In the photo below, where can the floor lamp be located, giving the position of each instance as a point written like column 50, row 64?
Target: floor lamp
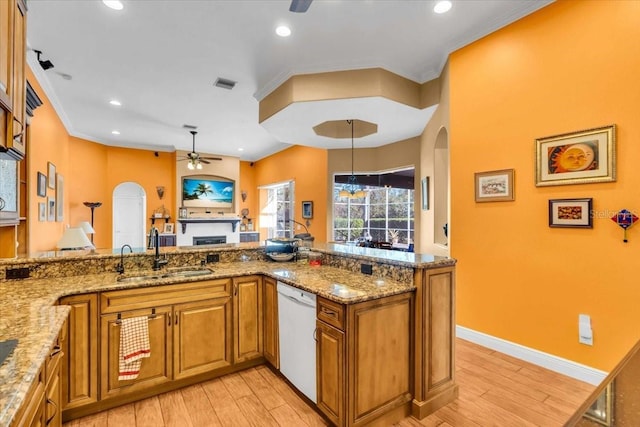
column 92, row 206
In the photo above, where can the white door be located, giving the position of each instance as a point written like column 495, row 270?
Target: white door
column 129, row 215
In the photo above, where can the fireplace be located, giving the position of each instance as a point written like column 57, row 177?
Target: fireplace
column 209, row 240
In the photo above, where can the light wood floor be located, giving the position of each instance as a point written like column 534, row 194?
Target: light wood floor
column 495, row 390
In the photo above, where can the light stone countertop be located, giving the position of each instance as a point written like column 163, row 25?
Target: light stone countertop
column 28, row 313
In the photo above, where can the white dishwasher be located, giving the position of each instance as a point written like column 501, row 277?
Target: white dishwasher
column 297, row 324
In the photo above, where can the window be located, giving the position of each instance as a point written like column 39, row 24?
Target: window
column 385, row 213
column 276, row 208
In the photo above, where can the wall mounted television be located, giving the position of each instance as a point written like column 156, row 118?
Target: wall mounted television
column 206, row 191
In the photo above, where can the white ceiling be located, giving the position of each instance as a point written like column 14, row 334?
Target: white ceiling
column 160, row 59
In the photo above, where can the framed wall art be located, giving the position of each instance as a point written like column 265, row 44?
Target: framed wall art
column 59, row 197
column 307, row 209
column 581, row 157
column 42, row 185
column 495, row 186
column 571, row 213
column 168, row 228
column 424, row 187
column 51, row 208
column 42, row 211
column 51, row 175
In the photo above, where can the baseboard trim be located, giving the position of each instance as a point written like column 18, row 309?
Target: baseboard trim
column 554, row 363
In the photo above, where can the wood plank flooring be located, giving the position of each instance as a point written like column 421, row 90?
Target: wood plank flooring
column 495, row 390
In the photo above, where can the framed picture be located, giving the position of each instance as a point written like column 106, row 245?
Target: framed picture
column 307, row 209
column 570, row 213
column 601, row 411
column 42, row 211
column 424, row 187
column 495, row 186
column 42, row 185
column 51, row 210
column 168, row 228
column 59, row 197
column 51, row 175
column 579, row 157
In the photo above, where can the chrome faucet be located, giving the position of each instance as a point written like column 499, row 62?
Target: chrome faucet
column 158, row 262
column 120, row 267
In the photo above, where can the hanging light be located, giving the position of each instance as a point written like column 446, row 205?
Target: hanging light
column 352, row 190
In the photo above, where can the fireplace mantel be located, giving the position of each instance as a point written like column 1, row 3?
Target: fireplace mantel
column 184, row 221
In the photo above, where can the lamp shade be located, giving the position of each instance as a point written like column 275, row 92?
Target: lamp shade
column 74, row 238
column 86, row 227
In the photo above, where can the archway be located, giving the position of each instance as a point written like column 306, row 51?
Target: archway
column 441, row 224
column 129, row 215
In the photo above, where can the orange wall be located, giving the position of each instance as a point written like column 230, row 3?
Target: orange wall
column 568, row 67
column 104, row 168
column 48, row 142
column 307, row 166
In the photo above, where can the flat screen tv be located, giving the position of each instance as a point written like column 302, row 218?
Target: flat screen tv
column 207, row 192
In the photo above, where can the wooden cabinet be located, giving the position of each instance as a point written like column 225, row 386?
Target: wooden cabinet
column 189, row 334
column 155, row 370
column 330, row 379
column 247, row 318
column 12, row 78
column 79, row 368
column 354, row 342
column 270, row 322
column 197, row 352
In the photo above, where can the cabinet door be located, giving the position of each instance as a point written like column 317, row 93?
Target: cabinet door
column 247, row 314
column 270, row 321
column 155, row 369
column 7, row 8
column 19, row 94
column 330, row 378
column 201, row 337
column 80, row 352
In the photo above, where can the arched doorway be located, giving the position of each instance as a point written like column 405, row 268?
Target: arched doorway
column 441, row 189
column 129, row 215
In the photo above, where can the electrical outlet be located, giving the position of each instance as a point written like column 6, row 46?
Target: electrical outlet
column 366, row 269
column 213, row 258
column 18, row 273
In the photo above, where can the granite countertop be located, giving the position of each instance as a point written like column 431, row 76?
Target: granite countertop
column 28, row 312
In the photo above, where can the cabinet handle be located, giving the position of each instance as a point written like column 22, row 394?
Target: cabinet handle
column 177, row 315
column 18, row 135
column 56, row 349
column 235, row 289
column 328, row 312
column 55, row 412
column 169, row 316
column 315, row 334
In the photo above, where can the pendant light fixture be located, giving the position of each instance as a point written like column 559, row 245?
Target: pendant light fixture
column 352, row 190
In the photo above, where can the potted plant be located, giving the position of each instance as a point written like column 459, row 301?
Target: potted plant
column 394, row 235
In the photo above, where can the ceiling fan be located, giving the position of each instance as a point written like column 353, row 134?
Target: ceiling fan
column 299, row 6
column 195, row 160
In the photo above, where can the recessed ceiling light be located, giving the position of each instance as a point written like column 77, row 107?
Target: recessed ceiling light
column 240, row 149
column 113, row 4
column 115, row 132
column 283, row 31
column 442, row 6
column 115, row 102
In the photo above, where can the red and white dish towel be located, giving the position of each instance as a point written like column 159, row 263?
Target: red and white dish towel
column 134, row 346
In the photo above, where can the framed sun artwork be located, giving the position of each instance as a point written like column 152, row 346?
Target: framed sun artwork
column 581, row 157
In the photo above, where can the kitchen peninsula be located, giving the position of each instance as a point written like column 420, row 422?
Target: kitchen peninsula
column 384, row 339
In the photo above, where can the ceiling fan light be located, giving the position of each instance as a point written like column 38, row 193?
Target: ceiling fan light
column 190, row 165
column 198, row 165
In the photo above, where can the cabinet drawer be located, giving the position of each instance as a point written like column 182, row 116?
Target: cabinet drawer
column 331, row 313
column 131, row 299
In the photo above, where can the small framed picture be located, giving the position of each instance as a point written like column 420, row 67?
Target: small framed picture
column 51, row 210
column 424, row 187
column 42, row 211
column 570, row 213
column 51, row 175
column 307, row 209
column 59, row 197
column 495, row 186
column 42, row 185
column 580, row 157
column 168, row 228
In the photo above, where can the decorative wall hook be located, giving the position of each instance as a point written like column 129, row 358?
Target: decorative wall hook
column 160, row 190
column 243, row 194
column 624, row 219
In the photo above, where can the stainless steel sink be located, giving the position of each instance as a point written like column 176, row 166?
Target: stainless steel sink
column 172, row 273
